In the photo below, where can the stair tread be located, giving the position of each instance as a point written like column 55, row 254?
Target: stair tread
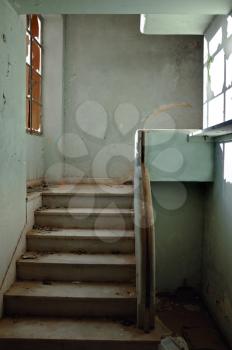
column 84, row 211
column 89, row 190
column 73, row 329
column 72, row 290
column 85, row 259
column 80, row 234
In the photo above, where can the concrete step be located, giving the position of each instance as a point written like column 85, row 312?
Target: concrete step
column 72, row 334
column 85, row 241
column 88, row 196
column 76, row 267
column 86, row 218
column 55, row 299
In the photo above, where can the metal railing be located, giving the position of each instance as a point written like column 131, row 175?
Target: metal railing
column 144, row 238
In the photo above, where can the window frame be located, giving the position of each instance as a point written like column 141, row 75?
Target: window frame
column 29, row 97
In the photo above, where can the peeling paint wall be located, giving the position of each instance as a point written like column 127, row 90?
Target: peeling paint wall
column 117, row 80
column 12, row 133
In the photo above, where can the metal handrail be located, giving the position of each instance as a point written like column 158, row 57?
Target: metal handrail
column 144, row 238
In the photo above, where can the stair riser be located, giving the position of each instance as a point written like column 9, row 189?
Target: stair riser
column 70, row 272
column 92, row 221
column 91, row 246
column 67, row 307
column 70, row 201
column 26, row 344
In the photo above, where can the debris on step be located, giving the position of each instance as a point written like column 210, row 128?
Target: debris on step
column 79, row 251
column 171, row 343
column 47, row 283
column 44, row 184
column 44, row 228
column 29, row 256
column 127, row 322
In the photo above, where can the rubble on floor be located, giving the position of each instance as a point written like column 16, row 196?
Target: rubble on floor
column 185, row 315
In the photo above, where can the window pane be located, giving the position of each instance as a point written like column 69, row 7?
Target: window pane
column 206, row 76
column 36, row 87
column 215, row 42
column 36, row 57
column 36, row 116
column 229, row 26
column 28, row 81
column 28, row 113
column 216, row 111
column 28, row 46
column 229, row 104
column 28, row 22
column 36, row 27
column 206, row 51
column 217, row 73
column 229, row 71
column 205, row 116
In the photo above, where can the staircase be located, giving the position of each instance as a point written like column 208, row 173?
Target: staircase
column 75, row 286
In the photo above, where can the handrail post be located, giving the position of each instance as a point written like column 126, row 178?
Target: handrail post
column 144, row 238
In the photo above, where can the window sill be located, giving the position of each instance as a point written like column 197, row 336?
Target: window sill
column 35, row 133
column 218, row 130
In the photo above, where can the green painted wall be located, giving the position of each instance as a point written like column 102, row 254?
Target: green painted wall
column 35, row 156
column 217, row 262
column 12, row 132
column 179, row 221
column 172, row 156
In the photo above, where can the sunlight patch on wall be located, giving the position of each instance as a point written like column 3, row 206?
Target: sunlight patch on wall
column 215, row 42
column 228, row 162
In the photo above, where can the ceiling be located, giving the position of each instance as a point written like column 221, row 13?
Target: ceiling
column 175, row 24
column 187, row 7
column 162, row 16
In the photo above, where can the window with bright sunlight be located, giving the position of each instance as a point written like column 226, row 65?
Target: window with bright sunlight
column 218, row 76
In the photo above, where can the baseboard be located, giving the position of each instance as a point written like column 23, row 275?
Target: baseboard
column 33, row 184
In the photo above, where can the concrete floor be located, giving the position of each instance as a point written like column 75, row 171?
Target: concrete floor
column 185, row 315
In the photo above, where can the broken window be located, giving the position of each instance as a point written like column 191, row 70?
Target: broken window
column 215, row 42
column 34, row 74
column 217, row 101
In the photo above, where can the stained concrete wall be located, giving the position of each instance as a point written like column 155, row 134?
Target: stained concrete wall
column 117, row 80
column 12, row 133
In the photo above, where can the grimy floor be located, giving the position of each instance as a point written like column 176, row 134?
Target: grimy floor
column 185, row 315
